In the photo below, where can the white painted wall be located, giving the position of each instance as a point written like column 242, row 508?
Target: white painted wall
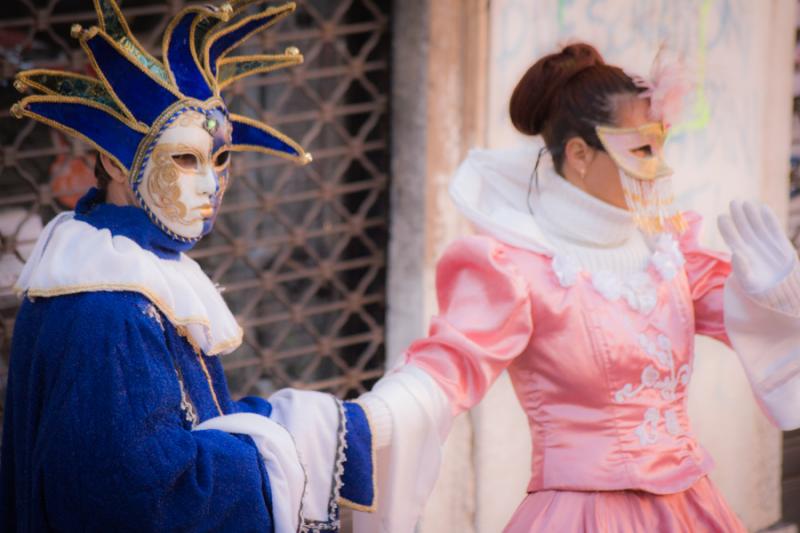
column 734, row 143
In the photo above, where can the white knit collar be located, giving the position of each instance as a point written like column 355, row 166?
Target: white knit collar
column 72, row 256
column 492, row 189
column 571, row 214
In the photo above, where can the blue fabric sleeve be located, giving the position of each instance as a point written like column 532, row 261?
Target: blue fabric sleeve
column 358, row 479
column 113, row 450
column 254, row 404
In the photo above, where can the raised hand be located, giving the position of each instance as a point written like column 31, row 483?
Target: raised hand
column 762, row 254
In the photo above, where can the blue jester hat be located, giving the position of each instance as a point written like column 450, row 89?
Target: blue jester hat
column 123, row 111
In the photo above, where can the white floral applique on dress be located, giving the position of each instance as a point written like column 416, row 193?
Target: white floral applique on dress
column 662, row 376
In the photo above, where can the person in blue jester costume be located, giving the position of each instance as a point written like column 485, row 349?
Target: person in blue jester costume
column 118, row 417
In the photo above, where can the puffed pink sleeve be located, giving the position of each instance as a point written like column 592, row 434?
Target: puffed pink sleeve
column 484, row 321
column 707, row 272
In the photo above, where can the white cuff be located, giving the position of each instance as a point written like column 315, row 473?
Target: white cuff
column 784, row 296
column 408, row 467
column 767, row 341
column 281, row 460
column 380, row 418
column 316, row 423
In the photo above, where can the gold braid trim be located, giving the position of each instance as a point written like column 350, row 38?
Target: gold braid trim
column 125, row 28
column 26, row 78
column 193, row 45
column 199, row 354
column 23, row 75
column 270, row 63
column 232, row 342
column 229, row 344
column 202, row 10
column 302, row 156
column 374, row 506
column 239, row 5
column 20, row 110
column 61, row 99
column 304, row 160
column 97, row 32
column 278, row 11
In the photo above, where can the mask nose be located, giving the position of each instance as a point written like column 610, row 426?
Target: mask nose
column 207, row 183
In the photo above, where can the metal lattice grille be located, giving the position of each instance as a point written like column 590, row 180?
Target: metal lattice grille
column 299, row 250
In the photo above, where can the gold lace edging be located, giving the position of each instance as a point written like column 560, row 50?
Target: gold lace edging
column 215, row 349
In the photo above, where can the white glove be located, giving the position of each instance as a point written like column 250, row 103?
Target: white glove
column 762, row 255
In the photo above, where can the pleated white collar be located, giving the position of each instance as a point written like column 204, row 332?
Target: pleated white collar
column 72, row 256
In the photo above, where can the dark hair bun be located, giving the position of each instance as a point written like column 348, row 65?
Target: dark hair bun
column 533, row 99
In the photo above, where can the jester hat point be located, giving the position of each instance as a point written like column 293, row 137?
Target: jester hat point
column 134, row 97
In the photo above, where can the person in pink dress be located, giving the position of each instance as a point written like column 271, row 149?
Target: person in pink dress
column 586, row 286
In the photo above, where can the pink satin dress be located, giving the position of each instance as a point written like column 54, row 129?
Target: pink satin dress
column 601, row 366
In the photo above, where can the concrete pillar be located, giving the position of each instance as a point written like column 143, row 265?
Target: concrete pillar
column 438, row 112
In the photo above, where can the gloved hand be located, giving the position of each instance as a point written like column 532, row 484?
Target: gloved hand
column 762, row 254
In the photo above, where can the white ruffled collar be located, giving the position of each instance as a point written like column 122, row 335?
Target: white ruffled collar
column 179, row 288
column 492, row 189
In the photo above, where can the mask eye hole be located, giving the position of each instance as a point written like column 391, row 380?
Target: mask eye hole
column 186, row 161
column 222, row 158
column 643, row 151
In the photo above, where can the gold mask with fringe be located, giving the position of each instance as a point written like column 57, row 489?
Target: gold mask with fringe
column 646, row 178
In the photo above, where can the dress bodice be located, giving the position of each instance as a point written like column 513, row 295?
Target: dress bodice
column 600, row 352
column 600, row 362
column 604, row 379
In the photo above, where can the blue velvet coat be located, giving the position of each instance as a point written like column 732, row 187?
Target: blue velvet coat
column 97, row 427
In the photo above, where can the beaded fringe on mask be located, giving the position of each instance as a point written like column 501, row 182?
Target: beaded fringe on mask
column 651, row 203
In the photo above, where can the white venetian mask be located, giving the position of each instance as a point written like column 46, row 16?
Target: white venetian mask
column 186, row 174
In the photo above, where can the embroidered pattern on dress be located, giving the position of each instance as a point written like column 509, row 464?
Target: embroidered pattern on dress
column 566, row 269
column 638, row 290
column 666, row 383
column 187, row 407
column 667, row 258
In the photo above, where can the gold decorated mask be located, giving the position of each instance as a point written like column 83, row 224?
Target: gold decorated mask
column 645, row 176
column 639, row 152
column 186, row 173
